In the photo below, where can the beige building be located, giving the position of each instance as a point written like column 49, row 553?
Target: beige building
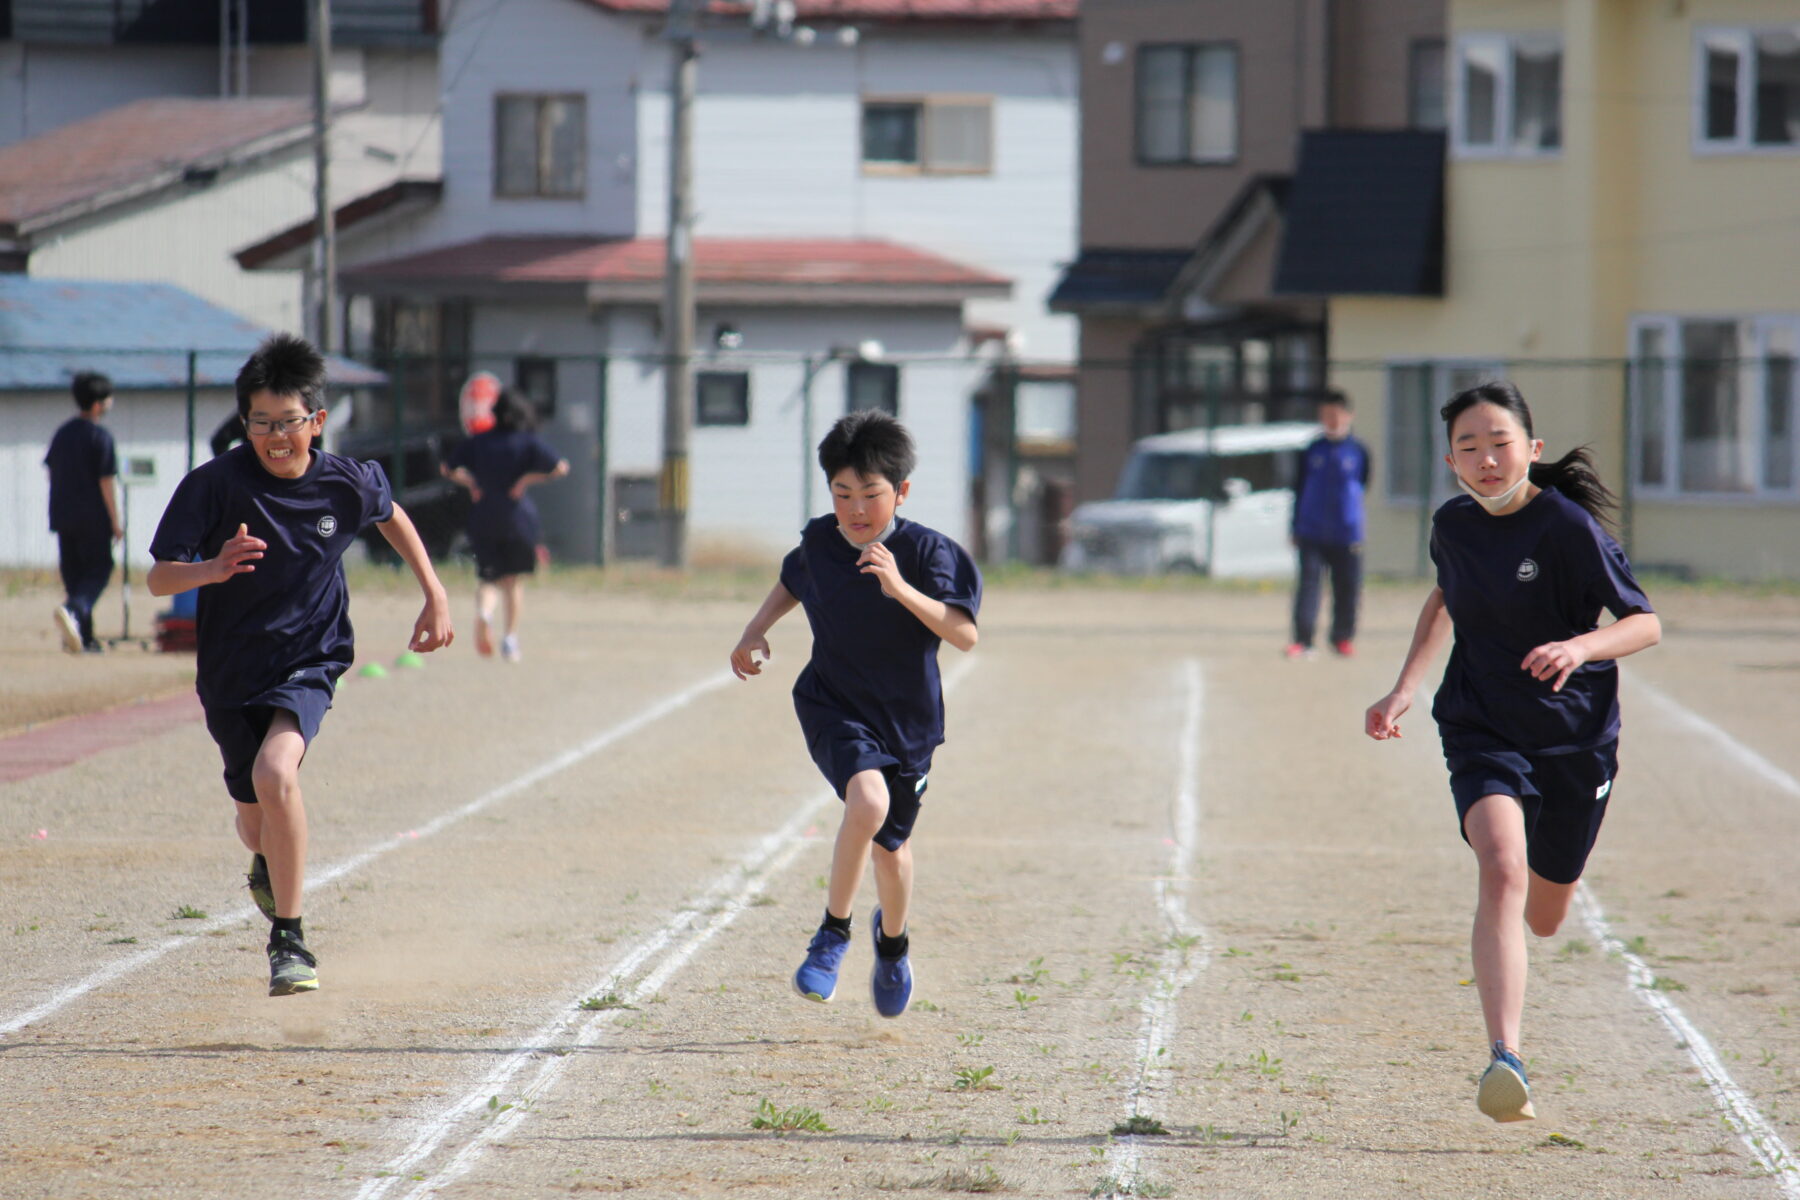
column 1622, row 239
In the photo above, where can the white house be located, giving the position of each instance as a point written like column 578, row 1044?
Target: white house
column 905, row 178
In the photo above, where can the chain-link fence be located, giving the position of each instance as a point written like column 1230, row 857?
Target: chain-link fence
column 1700, row 452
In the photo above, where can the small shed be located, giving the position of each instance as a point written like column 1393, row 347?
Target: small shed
column 173, row 359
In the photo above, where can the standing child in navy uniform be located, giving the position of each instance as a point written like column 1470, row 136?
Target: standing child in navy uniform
column 262, row 531
column 880, row 593
column 84, row 509
column 497, row 467
column 1528, row 710
column 1328, row 528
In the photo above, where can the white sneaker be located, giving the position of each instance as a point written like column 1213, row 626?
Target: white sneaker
column 71, row 632
column 509, row 648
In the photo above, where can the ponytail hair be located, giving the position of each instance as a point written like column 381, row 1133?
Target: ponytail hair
column 1573, row 474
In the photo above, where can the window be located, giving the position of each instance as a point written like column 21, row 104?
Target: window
column 1187, row 103
column 536, row 378
column 1713, row 405
column 1747, row 89
column 540, row 146
column 945, row 135
column 1425, row 82
column 872, row 385
column 1044, row 411
column 721, row 398
column 1508, row 95
column 1415, row 433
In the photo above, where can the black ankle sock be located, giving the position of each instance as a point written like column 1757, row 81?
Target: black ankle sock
column 290, row 924
column 891, row 947
column 841, row 924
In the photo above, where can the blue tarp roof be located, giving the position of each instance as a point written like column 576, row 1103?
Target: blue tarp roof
column 137, row 333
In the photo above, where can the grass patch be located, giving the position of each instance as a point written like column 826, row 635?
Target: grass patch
column 1140, row 1125
column 603, row 1003
column 975, row 1079
column 187, row 912
column 783, row 1121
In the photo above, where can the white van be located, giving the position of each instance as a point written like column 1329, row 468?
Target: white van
column 1218, row 502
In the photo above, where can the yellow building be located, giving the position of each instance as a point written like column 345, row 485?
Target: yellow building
column 1622, row 239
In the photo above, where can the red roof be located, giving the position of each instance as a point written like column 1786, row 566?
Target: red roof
column 136, row 147
column 793, row 262
column 881, row 10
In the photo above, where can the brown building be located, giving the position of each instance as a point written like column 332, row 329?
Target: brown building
column 1191, row 118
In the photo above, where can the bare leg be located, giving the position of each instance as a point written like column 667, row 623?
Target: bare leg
column 280, row 825
column 512, row 590
column 1496, row 829
column 893, row 883
column 1547, row 904
column 485, row 595
column 865, row 808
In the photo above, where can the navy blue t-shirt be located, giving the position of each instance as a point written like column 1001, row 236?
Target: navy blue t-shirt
column 498, row 459
column 81, row 454
column 293, row 611
column 872, row 660
column 1511, row 584
column 1328, row 491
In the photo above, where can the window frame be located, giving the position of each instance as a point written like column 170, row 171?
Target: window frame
column 740, row 379
column 924, row 102
column 539, row 192
column 1191, row 50
column 1414, row 49
column 1456, row 107
column 1442, row 485
column 890, row 371
column 1753, row 375
column 1741, row 142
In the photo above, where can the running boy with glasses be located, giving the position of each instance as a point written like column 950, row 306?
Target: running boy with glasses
column 880, row 593
column 262, row 531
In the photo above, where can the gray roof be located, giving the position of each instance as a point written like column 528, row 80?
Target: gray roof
column 140, row 334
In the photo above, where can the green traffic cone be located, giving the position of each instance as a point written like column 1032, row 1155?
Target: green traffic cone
column 373, row 671
column 410, row 658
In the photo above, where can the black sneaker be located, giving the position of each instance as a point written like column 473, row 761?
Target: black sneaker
column 261, row 890
column 290, row 964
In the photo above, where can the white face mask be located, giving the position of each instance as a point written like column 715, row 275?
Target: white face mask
column 1494, row 503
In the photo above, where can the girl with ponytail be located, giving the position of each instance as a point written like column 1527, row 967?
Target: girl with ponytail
column 1528, row 710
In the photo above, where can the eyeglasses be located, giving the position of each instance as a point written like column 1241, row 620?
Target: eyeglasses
column 258, row 427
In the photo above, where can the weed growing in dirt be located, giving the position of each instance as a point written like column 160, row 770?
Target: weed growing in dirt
column 1288, row 1121
column 783, row 1121
column 1140, row 1125
column 1575, row 947
column 1563, row 1140
column 1024, row 999
column 121, row 941
column 1262, row 1064
column 1031, row 1116
column 879, row 1104
column 187, row 912
column 926, row 1006
column 1639, row 945
column 496, row 1106
column 1034, row 973
column 975, row 1079
column 602, row 1003
column 953, row 1179
column 970, row 1039
column 1131, row 1185
column 1662, row 983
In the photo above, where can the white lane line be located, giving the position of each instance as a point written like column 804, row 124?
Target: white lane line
column 1753, row 1129
column 568, row 758
column 724, row 901
column 1739, row 753
column 1187, row 951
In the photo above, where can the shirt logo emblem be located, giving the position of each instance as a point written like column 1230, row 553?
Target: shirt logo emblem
column 1600, row 792
column 328, row 526
column 1528, row 571
column 300, row 674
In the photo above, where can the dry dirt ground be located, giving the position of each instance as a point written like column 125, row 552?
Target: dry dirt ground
column 1161, row 874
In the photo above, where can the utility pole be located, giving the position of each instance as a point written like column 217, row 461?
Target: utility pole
column 325, row 249
column 678, row 284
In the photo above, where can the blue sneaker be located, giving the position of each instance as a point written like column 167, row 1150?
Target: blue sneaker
column 1505, row 1093
column 891, row 982
column 817, row 977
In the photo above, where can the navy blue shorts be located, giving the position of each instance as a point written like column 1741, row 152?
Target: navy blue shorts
column 240, row 731
column 1564, row 797
column 498, row 557
column 843, row 748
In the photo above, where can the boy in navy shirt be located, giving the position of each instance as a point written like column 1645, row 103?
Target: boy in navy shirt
column 880, row 593
column 1328, row 528
column 1528, row 709
column 84, row 509
column 262, row 531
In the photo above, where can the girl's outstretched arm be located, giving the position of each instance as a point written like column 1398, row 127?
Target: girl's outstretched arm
column 1558, row 660
column 1382, row 720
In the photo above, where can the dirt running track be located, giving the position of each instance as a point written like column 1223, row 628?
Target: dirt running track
column 1160, row 873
